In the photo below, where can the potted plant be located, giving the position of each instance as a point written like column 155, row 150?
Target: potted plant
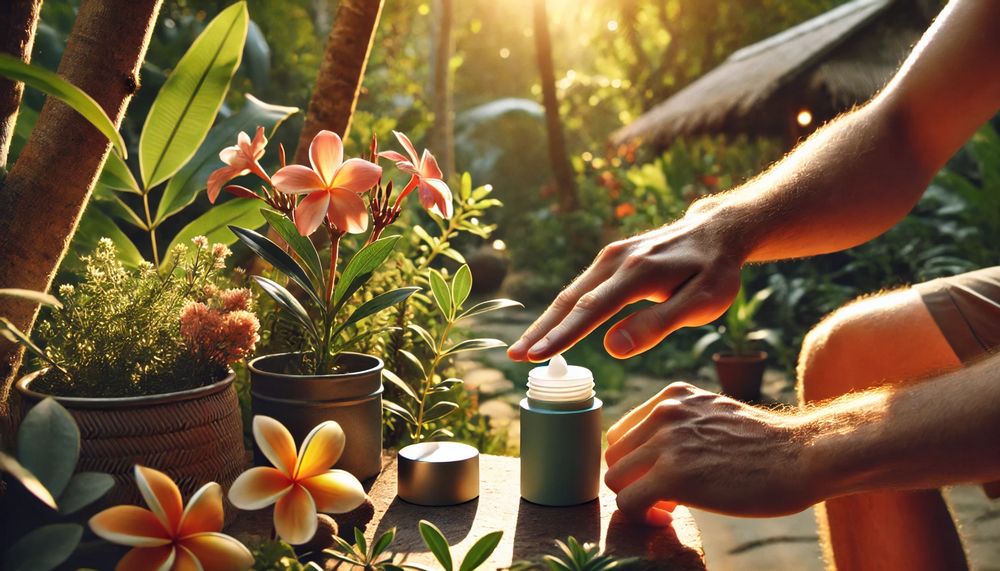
column 323, row 380
column 142, row 360
column 740, row 368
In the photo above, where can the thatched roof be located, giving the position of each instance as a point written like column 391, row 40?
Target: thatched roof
column 751, row 90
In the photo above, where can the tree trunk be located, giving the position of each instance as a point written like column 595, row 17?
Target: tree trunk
column 49, row 185
column 562, row 170
column 18, row 21
column 442, row 135
column 339, row 81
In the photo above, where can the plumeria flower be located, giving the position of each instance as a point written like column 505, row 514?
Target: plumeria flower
column 168, row 536
column 426, row 177
column 333, row 186
column 300, row 484
column 240, row 159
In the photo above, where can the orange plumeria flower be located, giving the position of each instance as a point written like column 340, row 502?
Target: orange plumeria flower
column 240, row 159
column 425, row 176
column 300, row 484
column 168, row 536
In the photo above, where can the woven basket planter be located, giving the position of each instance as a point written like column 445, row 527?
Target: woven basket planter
column 194, row 436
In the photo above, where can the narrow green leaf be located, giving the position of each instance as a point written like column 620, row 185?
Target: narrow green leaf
column 188, row 102
column 38, row 297
column 481, row 551
column 439, row 410
column 10, row 332
column 10, row 465
column 274, row 255
column 461, row 285
column 454, row 255
column 475, row 345
column 424, row 335
column 383, row 542
column 375, row 305
column 359, row 269
column 423, row 235
column 116, row 176
column 442, row 295
column 301, row 245
column 465, row 187
column 50, row 83
column 287, row 301
column 413, row 361
column 706, row 341
column 441, row 433
column 48, row 444
column 490, row 305
column 84, row 489
column 215, row 223
column 359, row 540
column 400, row 383
column 436, row 542
column 399, row 411
column 44, row 548
column 109, row 201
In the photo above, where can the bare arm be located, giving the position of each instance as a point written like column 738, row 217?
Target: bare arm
column 848, row 183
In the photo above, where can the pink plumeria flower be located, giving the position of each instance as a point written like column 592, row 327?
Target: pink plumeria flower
column 426, row 177
column 301, row 483
column 168, row 536
column 240, row 159
column 333, row 186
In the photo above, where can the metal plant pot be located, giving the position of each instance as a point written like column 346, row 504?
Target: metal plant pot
column 195, row 436
column 741, row 375
column 300, row 402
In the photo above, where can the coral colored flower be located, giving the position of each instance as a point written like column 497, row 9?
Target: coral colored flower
column 426, row 177
column 300, row 484
column 240, row 159
column 332, row 186
column 624, row 209
column 168, row 536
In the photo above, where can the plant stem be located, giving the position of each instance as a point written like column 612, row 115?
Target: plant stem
column 429, row 378
column 324, row 348
column 151, row 228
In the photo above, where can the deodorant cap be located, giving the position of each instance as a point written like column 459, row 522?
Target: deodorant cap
column 558, row 382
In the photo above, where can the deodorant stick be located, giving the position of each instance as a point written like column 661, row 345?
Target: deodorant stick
column 560, row 436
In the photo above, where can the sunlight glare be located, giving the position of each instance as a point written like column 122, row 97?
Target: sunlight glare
column 804, row 118
column 612, row 25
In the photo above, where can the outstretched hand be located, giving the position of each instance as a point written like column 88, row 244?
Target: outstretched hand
column 690, row 269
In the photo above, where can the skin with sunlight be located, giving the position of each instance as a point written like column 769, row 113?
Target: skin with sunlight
column 301, row 483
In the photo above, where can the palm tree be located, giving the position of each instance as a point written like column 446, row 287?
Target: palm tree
column 442, row 135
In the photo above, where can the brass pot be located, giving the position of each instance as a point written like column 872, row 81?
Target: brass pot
column 300, row 402
column 741, row 375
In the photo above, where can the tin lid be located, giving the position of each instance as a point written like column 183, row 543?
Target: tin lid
column 438, row 473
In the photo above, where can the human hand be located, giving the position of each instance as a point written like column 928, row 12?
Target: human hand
column 690, row 268
column 694, row 447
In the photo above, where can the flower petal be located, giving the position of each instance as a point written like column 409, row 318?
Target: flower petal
column 258, row 144
column 130, row 525
column 258, row 488
column 326, row 153
column 295, row 516
column 161, row 495
column 335, row 491
column 394, row 156
column 429, row 166
column 297, row 179
column 407, row 146
column 218, row 552
column 230, row 155
column 275, row 442
column 357, row 175
column 219, row 178
column 310, row 212
column 203, row 511
column 436, row 197
column 347, row 211
column 148, row 559
column 184, row 560
column 320, row 449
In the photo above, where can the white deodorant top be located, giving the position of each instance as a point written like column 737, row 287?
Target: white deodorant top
column 559, row 382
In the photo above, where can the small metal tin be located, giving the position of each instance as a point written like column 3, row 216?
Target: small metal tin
column 438, row 473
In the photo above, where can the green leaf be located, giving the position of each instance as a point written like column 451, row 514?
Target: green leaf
column 375, row 305
column 300, row 244
column 109, row 201
column 192, row 178
column 359, row 540
column 287, row 301
column 50, row 83
column 38, row 297
column 454, row 255
column 188, row 102
column 413, row 361
column 44, row 548
column 442, row 295
column 440, row 433
column 465, row 187
column 215, row 223
column 48, row 444
column 481, row 551
column 423, row 235
column 94, row 225
column 403, row 385
column 116, row 176
column 424, row 335
column 490, row 305
column 461, row 285
column 84, row 489
column 475, row 345
column 439, row 410
column 274, row 255
column 436, row 542
column 383, row 542
column 10, row 465
column 399, row 411
column 360, row 268
column 706, row 341
column 10, row 332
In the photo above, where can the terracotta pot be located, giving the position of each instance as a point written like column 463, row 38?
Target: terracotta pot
column 300, row 402
column 741, row 375
column 195, row 436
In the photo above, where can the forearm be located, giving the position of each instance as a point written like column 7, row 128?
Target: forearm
column 938, row 432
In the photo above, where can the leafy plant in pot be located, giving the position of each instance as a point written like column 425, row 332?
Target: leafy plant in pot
column 324, row 380
column 741, row 367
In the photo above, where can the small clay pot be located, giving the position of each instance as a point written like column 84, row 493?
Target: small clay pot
column 741, row 375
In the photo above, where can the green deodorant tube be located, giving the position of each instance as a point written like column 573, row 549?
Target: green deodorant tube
column 560, row 436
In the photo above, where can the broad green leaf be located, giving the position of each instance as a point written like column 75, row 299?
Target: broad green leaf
column 43, row 548
column 439, row 410
column 399, row 411
column 383, row 542
column 109, row 201
column 10, row 465
column 300, row 244
column 490, row 305
column 274, row 255
column 84, row 489
column 360, row 268
column 481, row 551
column 375, row 305
column 93, row 226
column 184, row 186
column 442, row 295
column 215, row 223
column 188, row 102
column 461, row 285
column 475, row 345
column 286, row 300
column 436, row 542
column 400, row 383
column 31, row 295
column 116, row 176
column 48, row 444
column 257, row 57
column 50, row 82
